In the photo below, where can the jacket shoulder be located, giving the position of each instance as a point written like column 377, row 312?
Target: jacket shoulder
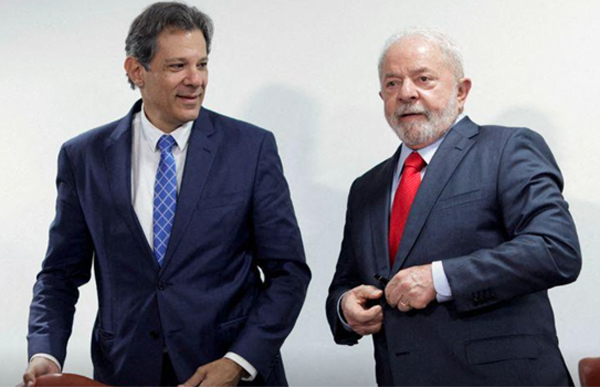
column 504, row 133
column 235, row 127
column 91, row 137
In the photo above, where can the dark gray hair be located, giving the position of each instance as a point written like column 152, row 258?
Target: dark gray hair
column 158, row 17
column 450, row 50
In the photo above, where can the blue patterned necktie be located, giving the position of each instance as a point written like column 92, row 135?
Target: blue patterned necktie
column 165, row 197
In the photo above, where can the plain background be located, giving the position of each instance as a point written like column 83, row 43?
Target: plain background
column 307, row 71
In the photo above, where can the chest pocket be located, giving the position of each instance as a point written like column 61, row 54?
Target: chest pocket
column 462, row 198
column 222, row 200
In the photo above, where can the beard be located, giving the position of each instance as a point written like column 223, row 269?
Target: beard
column 413, row 134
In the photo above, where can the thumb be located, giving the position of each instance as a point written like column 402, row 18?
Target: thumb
column 196, row 378
column 28, row 379
column 371, row 293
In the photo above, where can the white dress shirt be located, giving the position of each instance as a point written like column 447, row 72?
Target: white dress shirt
column 145, row 157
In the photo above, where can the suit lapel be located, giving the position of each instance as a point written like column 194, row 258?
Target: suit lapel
column 202, row 149
column 380, row 213
column 445, row 161
column 117, row 157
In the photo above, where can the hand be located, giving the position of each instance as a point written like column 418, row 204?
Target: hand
column 38, row 366
column 362, row 320
column 222, row 372
column 411, row 288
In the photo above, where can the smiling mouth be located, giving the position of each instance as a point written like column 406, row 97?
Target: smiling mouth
column 189, row 100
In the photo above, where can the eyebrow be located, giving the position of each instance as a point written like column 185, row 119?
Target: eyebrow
column 172, row 60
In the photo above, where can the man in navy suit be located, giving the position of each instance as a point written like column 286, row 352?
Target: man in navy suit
column 186, row 217
column 469, row 225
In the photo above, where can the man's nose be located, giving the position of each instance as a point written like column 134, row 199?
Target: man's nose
column 194, row 77
column 408, row 91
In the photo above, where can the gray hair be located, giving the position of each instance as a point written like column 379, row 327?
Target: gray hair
column 158, row 17
column 450, row 50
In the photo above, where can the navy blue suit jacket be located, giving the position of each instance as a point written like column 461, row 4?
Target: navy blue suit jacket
column 490, row 208
column 234, row 219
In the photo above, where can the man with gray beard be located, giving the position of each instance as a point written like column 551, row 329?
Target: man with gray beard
column 451, row 244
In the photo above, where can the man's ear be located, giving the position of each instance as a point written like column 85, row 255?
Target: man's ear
column 135, row 71
column 464, row 86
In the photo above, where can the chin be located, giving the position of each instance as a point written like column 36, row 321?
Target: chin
column 190, row 115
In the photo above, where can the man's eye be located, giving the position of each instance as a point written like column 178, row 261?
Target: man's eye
column 202, row 65
column 423, row 78
column 176, row 66
column 391, row 84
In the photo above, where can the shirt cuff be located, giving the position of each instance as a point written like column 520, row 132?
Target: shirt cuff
column 341, row 315
column 440, row 282
column 49, row 357
column 244, row 364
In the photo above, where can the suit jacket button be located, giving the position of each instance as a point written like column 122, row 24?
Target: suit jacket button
column 161, row 285
column 154, row 335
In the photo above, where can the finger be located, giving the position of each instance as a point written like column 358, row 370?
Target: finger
column 367, row 292
column 404, row 306
column 357, row 325
column 366, row 315
column 28, row 380
column 422, row 301
column 392, row 288
column 207, row 381
column 375, row 313
column 29, row 377
column 394, row 296
column 373, row 323
column 369, row 330
column 196, row 378
column 374, row 294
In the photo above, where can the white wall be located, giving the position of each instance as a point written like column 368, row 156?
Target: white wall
column 307, row 71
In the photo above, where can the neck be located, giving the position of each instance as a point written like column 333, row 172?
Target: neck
column 162, row 126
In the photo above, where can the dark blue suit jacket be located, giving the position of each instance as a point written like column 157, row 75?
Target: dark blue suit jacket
column 234, row 219
column 490, row 207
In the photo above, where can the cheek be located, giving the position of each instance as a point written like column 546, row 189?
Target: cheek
column 432, row 102
column 390, row 106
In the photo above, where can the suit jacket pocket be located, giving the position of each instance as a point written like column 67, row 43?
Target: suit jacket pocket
column 221, row 200
column 462, row 198
column 229, row 330
column 105, row 335
column 105, row 340
column 495, row 349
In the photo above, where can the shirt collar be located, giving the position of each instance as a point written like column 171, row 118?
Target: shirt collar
column 152, row 134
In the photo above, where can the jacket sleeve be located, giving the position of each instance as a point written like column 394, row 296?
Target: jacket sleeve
column 346, row 277
column 67, row 266
column 541, row 248
column 280, row 256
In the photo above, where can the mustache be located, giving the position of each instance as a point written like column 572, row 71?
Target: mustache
column 411, row 109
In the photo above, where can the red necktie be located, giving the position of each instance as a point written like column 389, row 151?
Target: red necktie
column 403, row 199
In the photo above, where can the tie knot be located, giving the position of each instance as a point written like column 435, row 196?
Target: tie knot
column 166, row 143
column 415, row 161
